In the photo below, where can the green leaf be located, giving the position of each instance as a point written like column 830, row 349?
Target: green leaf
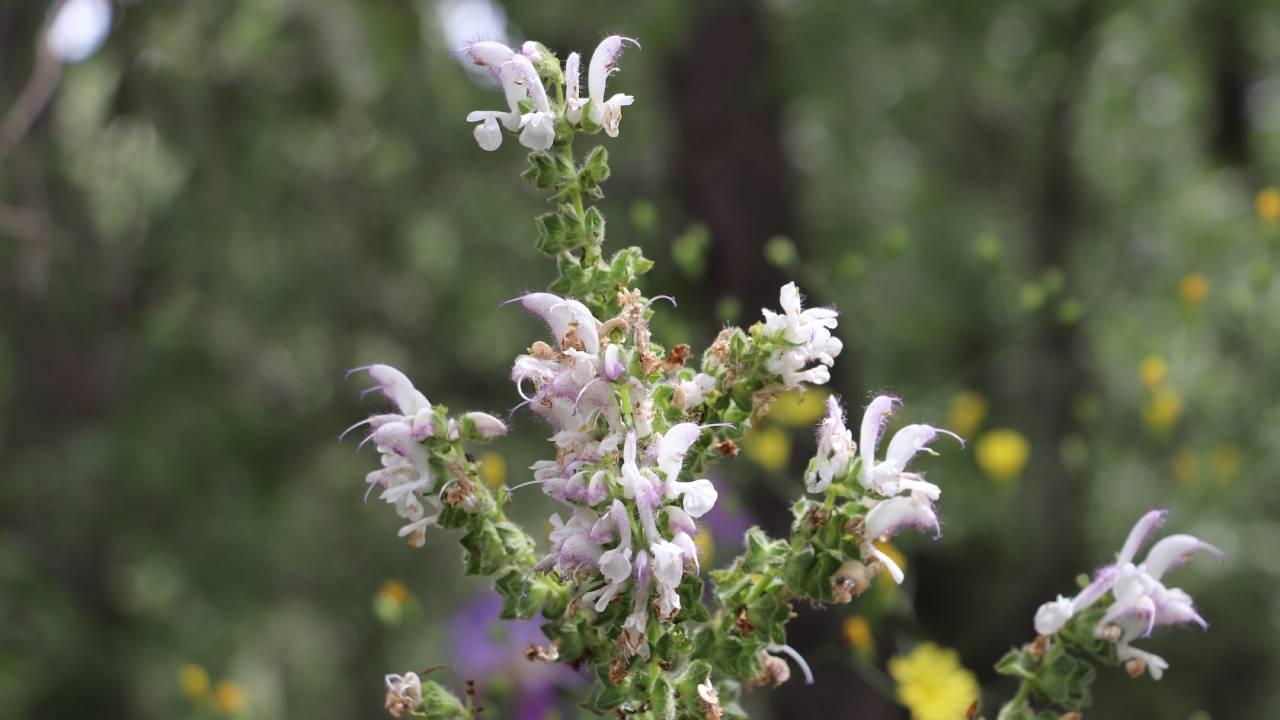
column 553, row 235
column 542, row 172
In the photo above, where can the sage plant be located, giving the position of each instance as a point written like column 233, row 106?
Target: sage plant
column 619, row 588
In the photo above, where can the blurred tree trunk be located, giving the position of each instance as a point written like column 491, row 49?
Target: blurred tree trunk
column 733, row 173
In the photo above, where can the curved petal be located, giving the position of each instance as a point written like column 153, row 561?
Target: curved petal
column 873, row 421
column 399, row 389
column 673, row 446
column 890, row 515
column 1174, row 550
column 1146, row 525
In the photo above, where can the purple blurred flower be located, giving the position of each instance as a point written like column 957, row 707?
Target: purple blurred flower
column 492, row 651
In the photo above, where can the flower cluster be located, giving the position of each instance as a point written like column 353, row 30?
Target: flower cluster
column 634, row 424
column 631, row 525
column 807, row 339
column 1139, row 599
column 529, row 108
column 406, row 478
column 895, row 498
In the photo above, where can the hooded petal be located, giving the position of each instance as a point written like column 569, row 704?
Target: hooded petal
column 487, row 54
column 873, row 421
column 604, row 62
column 397, row 387
column 673, row 446
column 1174, row 550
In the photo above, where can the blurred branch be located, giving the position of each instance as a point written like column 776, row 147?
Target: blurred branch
column 34, row 96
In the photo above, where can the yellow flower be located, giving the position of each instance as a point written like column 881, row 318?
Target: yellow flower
column 706, row 545
column 1268, row 205
column 798, row 409
column 1193, row 288
column 967, row 411
column 1185, row 466
column 229, row 698
column 194, row 681
column 1002, row 453
column 933, row 684
column 1226, row 463
column 769, row 448
column 493, row 469
column 395, row 591
column 857, row 632
column 1153, row 370
column 1163, row 410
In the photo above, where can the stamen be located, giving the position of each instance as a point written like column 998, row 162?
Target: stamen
column 948, row 432
column 366, row 421
column 524, row 484
column 355, row 370
column 368, row 390
column 668, row 298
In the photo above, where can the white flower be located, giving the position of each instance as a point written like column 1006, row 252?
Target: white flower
column 668, row 568
column 406, row 478
column 78, row 30
column 519, row 81
column 889, row 477
column 807, row 334
column 404, row 693
column 572, row 103
column 694, row 391
column 835, row 450
column 1140, row 600
column 607, row 113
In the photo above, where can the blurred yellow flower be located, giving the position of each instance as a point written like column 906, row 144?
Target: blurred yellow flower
column 967, row 412
column 798, row 409
column 706, row 545
column 1002, row 453
column 229, row 698
column 395, row 591
column 493, row 469
column 1226, row 463
column 1193, row 288
column 857, row 632
column 769, row 448
column 1185, row 466
column 194, row 681
column 1153, row 370
column 1268, row 205
column 933, row 684
column 1163, row 410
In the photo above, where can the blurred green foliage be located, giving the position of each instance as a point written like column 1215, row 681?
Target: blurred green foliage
column 234, row 202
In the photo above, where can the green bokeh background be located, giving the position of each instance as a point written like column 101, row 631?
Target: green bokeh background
column 235, row 201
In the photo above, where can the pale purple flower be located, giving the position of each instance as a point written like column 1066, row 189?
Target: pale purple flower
column 483, row 425
column 1140, row 601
